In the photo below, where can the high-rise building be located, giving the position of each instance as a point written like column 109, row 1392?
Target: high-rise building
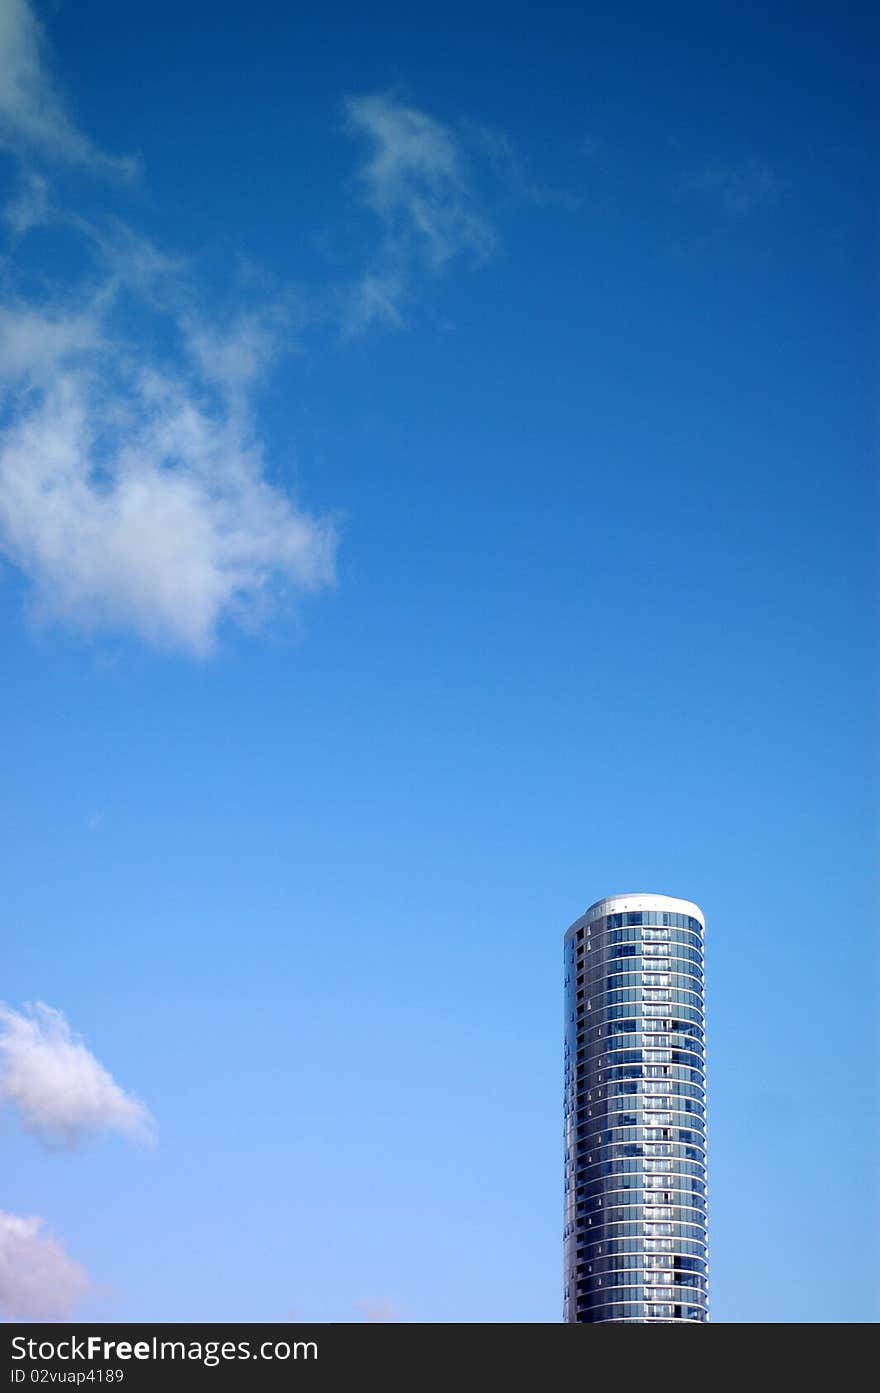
column 635, row 1113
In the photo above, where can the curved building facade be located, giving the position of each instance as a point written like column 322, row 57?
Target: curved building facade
column 636, row 1243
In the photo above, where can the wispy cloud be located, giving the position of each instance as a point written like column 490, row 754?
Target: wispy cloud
column 33, row 116
column 738, row 188
column 415, row 180
column 377, row 298
column 58, row 1088
column 38, row 1279
column 29, row 207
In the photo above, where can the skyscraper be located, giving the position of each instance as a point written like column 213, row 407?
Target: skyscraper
column 635, row 1113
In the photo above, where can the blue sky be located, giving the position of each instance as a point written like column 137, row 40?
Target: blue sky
column 434, row 494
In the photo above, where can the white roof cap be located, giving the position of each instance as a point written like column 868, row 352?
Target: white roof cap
column 614, row 904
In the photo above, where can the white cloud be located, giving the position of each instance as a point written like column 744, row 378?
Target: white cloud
column 415, row 180
column 57, row 1086
column 133, row 492
column 235, row 356
column 35, row 342
column 38, row 1279
column 377, row 298
column 33, row 118
column 133, row 489
column 30, row 206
